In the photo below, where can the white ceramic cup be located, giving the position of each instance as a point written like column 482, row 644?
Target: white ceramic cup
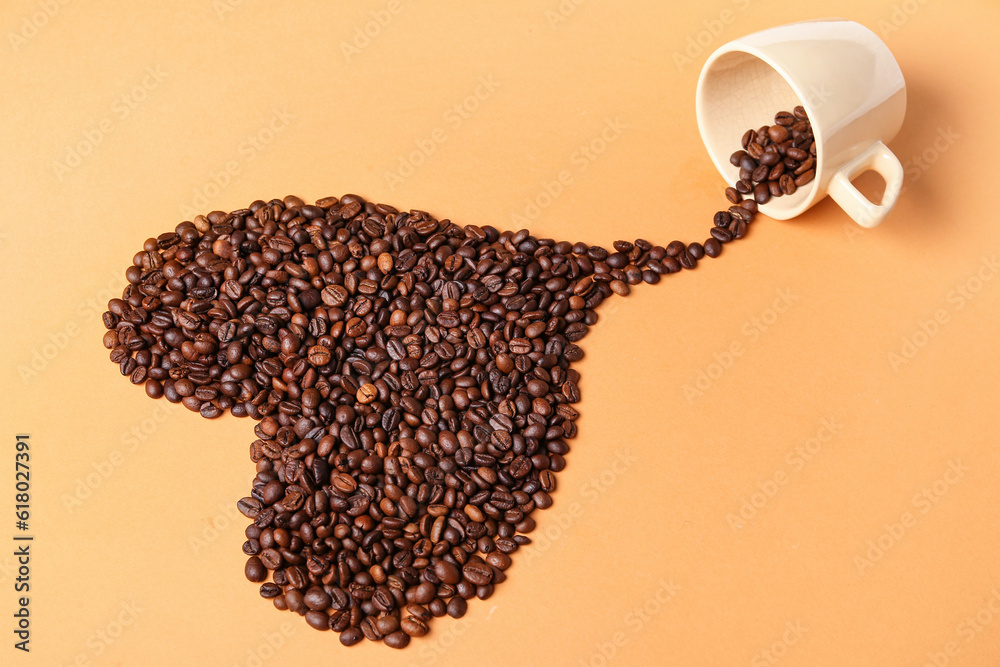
column 850, row 86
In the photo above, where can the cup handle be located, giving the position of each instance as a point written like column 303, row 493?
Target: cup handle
column 881, row 160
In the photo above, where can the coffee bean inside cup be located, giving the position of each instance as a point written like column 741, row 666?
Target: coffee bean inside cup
column 775, row 159
column 412, row 380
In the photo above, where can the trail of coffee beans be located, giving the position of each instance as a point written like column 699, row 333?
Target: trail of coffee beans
column 411, row 379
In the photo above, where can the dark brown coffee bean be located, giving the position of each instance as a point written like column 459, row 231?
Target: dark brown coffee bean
column 398, row 639
column 797, row 154
column 777, row 133
column 804, row 178
column 784, row 118
column 720, row 234
column 457, row 607
column 351, row 636
column 761, row 193
column 255, row 570
column 713, row 248
column 478, row 573
column 787, row 184
column 413, row 626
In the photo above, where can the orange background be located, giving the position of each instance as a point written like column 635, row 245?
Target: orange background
column 814, row 432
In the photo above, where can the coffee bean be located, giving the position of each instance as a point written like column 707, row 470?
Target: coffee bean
column 415, row 627
column 797, row 154
column 777, row 133
column 457, row 607
column 478, row 573
column 398, row 639
column 713, row 247
column 787, row 184
column 804, row 178
column 255, row 570
column 784, row 118
column 721, row 234
column 351, row 636
column 761, row 193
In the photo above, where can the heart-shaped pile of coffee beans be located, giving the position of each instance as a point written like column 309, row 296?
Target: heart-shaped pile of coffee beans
column 411, row 379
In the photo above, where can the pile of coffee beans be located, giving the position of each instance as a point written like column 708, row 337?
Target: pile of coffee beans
column 411, row 379
column 775, row 159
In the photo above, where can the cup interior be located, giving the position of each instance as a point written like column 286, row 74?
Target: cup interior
column 740, row 91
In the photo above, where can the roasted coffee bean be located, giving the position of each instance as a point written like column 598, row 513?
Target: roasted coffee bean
column 713, row 248
column 478, row 573
column 787, row 184
column 721, row 234
column 761, row 193
column 804, row 178
column 416, row 627
column 784, row 118
column 457, row 607
column 255, row 570
column 398, row 639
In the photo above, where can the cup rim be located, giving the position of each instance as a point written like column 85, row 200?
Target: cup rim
column 739, row 46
